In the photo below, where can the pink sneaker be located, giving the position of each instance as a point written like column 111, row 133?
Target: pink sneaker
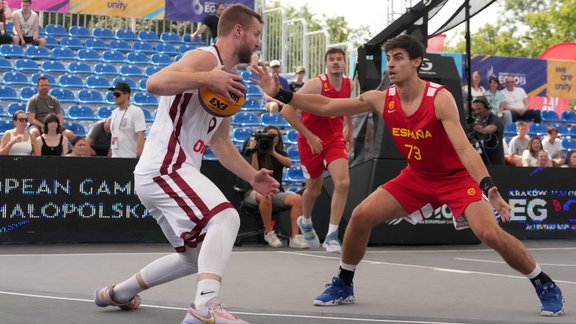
column 212, row 313
column 105, row 297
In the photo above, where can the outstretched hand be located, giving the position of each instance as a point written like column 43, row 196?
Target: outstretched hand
column 264, row 183
column 499, row 204
column 269, row 84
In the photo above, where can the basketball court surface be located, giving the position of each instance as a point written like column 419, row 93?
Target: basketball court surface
column 455, row 284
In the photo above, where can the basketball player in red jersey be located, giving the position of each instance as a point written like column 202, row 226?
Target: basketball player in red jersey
column 321, row 145
column 443, row 168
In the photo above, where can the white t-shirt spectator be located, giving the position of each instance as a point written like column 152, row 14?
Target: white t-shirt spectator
column 552, row 149
column 124, row 126
column 533, row 161
column 515, row 98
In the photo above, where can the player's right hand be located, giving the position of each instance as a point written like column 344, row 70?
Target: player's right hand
column 226, row 83
column 315, row 144
column 499, row 204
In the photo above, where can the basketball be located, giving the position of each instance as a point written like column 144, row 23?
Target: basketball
column 216, row 104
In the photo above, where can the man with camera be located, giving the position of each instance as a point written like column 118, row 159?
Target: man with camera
column 487, row 132
column 266, row 150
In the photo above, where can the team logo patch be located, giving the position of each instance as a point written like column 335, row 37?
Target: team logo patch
column 471, row 191
column 391, row 105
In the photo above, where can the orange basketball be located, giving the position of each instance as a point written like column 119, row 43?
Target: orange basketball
column 216, row 104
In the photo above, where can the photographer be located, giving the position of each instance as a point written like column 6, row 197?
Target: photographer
column 266, row 150
column 487, row 132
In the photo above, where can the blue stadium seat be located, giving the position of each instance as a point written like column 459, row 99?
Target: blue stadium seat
column 5, row 64
column 15, row 106
column 8, row 93
column 166, row 48
column 246, row 75
column 131, row 70
column 56, row 30
column 254, row 91
column 148, row 115
column 53, row 66
column 96, row 44
column 51, row 42
column 15, row 78
column 126, row 34
column 35, row 76
column 144, row 99
column 5, row 125
column 562, row 129
column 76, row 128
column 143, row 47
column 120, row 45
column 567, row 116
column 160, row 59
column 71, row 81
column 80, row 68
column 178, row 57
column 572, row 132
column 186, row 47
column 274, row 120
column 294, row 189
column 103, row 33
column 549, row 116
column 187, row 38
column 295, row 174
column 113, row 57
column 26, row 65
column 11, row 51
column 89, row 55
column 246, row 119
column 148, row 71
column 168, row 37
column 137, row 58
column 71, row 42
column 568, row 144
column 510, row 129
column 3, row 114
column 63, row 95
column 105, row 69
column 97, row 82
column 148, row 36
column 129, row 81
column 79, row 31
column 252, row 104
column 27, row 92
column 90, row 97
column 537, row 129
column 293, row 154
column 291, row 137
column 63, row 53
column 142, row 84
column 37, row 53
column 104, row 112
column 209, row 155
column 240, row 134
column 79, row 112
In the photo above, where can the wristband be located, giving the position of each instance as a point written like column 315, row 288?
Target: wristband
column 284, row 96
column 486, row 184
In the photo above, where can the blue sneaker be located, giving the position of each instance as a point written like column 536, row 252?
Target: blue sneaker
column 308, row 233
column 336, row 293
column 332, row 243
column 551, row 298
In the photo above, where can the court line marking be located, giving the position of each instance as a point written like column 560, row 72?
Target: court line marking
column 502, row 262
column 343, row 319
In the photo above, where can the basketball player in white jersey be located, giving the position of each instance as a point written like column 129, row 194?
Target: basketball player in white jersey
column 193, row 213
column 26, row 25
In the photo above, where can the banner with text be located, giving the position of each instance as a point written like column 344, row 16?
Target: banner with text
column 150, row 9
column 197, row 10
column 44, row 5
column 561, row 78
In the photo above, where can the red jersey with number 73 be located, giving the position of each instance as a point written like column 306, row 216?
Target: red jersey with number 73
column 421, row 137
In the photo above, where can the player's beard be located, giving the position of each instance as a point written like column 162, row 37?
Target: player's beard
column 245, row 54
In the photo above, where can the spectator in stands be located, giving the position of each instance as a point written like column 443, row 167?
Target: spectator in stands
column 517, row 102
column 270, row 154
column 26, row 25
column 476, row 89
column 127, row 125
column 41, row 105
column 530, row 154
column 210, row 22
column 497, row 101
column 5, row 36
column 553, row 145
column 489, row 132
column 570, row 161
column 79, row 147
column 99, row 138
column 299, row 81
column 543, row 159
column 272, row 105
column 52, row 141
column 17, row 141
column 518, row 144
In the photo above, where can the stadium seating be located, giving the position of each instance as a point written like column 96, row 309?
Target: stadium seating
column 97, row 82
column 53, row 66
column 295, row 174
column 5, row 125
column 510, row 130
column 129, row 81
column 568, row 144
column 143, row 47
column 120, row 45
column 8, row 93
column 549, row 116
column 252, row 104
column 90, row 97
column 186, row 47
column 89, row 55
column 80, row 32
column 131, row 71
column 126, row 34
column 71, row 42
column 293, row 154
column 15, row 78
column 567, row 116
column 104, row 112
column 81, row 68
column 51, row 42
column 49, row 76
column 62, row 53
column 148, row 36
column 96, row 44
column 70, row 81
column 537, row 129
column 291, row 137
column 148, row 71
column 56, row 30
column 27, row 92
column 160, row 59
column 15, row 106
column 142, row 84
column 37, row 53
column 240, row 134
column 11, row 51
column 5, row 65
column 79, row 112
column 562, row 129
column 144, row 99
column 113, row 57
column 76, row 128
column 105, row 69
column 274, row 120
column 168, row 37
column 166, row 48
column 26, row 65
column 3, row 113
column 137, row 58
column 246, row 119
column 63, row 95
column 103, row 33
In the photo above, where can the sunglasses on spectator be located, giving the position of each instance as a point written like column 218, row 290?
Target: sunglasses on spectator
column 23, row 120
column 117, row 94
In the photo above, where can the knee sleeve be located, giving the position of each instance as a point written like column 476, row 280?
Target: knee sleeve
column 216, row 248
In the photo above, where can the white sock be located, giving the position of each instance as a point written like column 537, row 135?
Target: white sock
column 207, row 289
column 349, row 267
column 332, row 228
column 535, row 272
column 306, row 220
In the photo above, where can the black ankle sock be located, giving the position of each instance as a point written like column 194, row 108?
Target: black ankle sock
column 346, row 275
column 540, row 279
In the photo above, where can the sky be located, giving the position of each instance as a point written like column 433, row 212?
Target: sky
column 366, row 12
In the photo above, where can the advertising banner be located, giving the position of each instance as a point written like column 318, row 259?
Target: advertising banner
column 562, row 78
column 44, row 5
column 197, row 10
column 150, row 9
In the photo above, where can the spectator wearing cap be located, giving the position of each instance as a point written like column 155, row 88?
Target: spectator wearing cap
column 127, row 125
column 299, row 81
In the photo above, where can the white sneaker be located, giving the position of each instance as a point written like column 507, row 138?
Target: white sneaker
column 332, row 243
column 272, row 239
column 298, row 242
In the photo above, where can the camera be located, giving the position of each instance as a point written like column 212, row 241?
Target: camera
column 264, row 142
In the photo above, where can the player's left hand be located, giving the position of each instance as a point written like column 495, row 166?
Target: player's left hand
column 268, row 83
column 499, row 204
column 264, row 183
